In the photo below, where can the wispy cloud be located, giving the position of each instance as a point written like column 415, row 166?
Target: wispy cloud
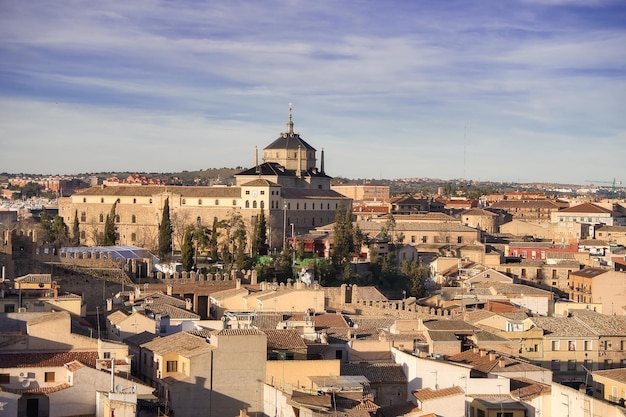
column 391, row 84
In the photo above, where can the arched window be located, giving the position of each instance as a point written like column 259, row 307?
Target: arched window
column 262, row 204
column 254, row 204
column 101, row 217
column 102, row 199
column 247, row 204
column 217, row 202
column 84, row 200
column 297, row 206
column 117, row 218
column 199, row 202
column 199, row 221
column 133, row 219
column 83, row 216
column 134, row 201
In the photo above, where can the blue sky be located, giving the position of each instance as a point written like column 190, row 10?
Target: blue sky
column 524, row 91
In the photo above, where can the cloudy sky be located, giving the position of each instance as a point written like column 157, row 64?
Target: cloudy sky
column 531, row 90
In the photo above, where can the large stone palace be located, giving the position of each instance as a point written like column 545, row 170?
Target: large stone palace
column 293, row 192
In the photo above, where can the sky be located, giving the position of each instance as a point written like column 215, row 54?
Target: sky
column 489, row 90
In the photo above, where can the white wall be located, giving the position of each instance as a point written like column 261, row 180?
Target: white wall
column 426, row 373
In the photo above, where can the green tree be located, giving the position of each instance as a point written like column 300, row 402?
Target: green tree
column 343, row 241
column 60, row 235
column 212, row 245
column 187, row 250
column 45, row 225
column 75, row 231
column 165, row 232
column 300, row 249
column 110, row 230
column 259, row 244
column 30, row 190
column 417, row 275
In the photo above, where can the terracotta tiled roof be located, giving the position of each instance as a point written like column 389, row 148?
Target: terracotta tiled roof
column 173, row 312
column 618, row 375
column 589, row 272
column 160, row 298
column 604, row 325
column 259, row 182
column 562, row 327
column 74, row 366
column 239, row 332
column 449, row 325
column 117, row 317
column 371, row 323
column 37, row 390
column 426, row 394
column 527, row 389
column 46, row 359
column 585, row 208
column 376, row 372
column 147, row 191
column 183, row 343
column 486, row 364
column 35, row 278
column 284, row 339
column 525, row 204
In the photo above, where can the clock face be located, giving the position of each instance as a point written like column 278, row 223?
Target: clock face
column 254, row 193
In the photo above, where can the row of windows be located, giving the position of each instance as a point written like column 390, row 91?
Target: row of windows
column 555, row 364
column 6, row 378
column 587, row 345
column 117, row 201
column 437, row 239
column 304, row 206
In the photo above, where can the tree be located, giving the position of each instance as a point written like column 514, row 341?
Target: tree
column 259, row 244
column 75, row 231
column 45, row 224
column 165, row 232
column 187, row 250
column 417, row 275
column 212, row 245
column 343, row 241
column 110, row 230
column 60, row 235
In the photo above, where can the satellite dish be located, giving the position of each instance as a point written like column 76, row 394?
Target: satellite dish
column 26, row 383
column 119, row 388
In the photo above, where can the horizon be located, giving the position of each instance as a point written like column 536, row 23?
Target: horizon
column 527, row 91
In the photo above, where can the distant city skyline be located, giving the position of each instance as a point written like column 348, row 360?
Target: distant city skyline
column 519, row 91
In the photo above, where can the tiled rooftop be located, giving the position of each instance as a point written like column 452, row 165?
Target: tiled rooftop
column 172, row 311
column 527, row 389
column 46, row 359
column 426, row 394
column 604, row 325
column 618, row 375
column 376, row 372
column 562, row 327
column 183, row 343
column 284, row 339
column 485, row 363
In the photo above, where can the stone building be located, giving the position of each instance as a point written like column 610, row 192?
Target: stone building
column 294, row 193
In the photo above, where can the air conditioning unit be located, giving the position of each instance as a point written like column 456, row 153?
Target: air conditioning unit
column 21, row 310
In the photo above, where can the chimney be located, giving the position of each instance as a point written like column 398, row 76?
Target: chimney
column 238, row 283
column 501, row 363
column 483, row 352
column 188, row 304
column 475, row 349
column 322, row 163
column 169, row 290
column 492, row 356
column 263, row 285
column 109, row 304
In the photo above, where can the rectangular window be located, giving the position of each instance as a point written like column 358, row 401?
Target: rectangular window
column 556, row 345
column 5, row 378
column 571, row 365
column 9, row 308
column 571, row 345
column 107, row 355
column 608, row 363
column 555, row 365
column 172, row 366
column 49, row 377
column 588, row 345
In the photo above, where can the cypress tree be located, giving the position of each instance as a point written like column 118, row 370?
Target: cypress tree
column 187, row 249
column 165, row 232
column 110, row 230
column 76, row 230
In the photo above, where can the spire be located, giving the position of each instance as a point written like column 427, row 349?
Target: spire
column 256, row 160
column 322, row 162
column 290, row 123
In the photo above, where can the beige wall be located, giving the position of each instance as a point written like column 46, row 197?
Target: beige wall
column 296, row 373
